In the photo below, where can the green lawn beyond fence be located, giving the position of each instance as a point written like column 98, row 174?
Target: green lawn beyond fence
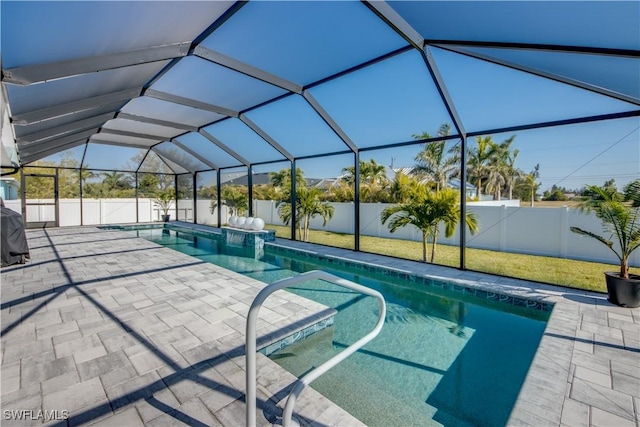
column 556, row 271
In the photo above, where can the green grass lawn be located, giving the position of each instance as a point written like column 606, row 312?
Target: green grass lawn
column 557, row 271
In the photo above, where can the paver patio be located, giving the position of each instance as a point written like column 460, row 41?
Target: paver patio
column 117, row 330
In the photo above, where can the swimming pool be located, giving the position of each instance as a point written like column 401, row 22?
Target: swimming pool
column 442, row 358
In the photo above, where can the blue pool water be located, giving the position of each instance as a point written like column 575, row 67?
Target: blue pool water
column 442, row 358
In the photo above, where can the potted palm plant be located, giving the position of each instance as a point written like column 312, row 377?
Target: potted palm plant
column 620, row 216
column 164, row 199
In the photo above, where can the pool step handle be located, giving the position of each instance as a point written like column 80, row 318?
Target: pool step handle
column 301, row 383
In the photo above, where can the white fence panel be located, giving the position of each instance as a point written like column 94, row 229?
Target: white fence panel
column 536, row 231
column 371, row 224
column 116, row 211
column 268, row 211
column 342, row 221
column 185, row 210
column 91, row 211
column 204, row 213
column 145, row 210
column 69, row 212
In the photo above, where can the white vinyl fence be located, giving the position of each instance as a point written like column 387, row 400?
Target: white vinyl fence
column 535, row 231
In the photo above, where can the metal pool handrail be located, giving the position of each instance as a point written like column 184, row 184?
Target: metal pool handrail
column 304, row 381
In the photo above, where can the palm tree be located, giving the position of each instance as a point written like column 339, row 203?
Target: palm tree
column 632, row 193
column 530, row 183
column 370, row 172
column 235, row 197
column 480, row 158
column 620, row 219
column 282, row 178
column 86, row 174
column 373, row 180
column 499, row 167
column 495, row 181
column 308, row 206
column 432, row 162
column 511, row 173
column 281, row 182
column 113, row 181
column 403, row 187
column 426, row 211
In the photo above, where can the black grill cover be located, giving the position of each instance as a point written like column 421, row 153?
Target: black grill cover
column 14, row 240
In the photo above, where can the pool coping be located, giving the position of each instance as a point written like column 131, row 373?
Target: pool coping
column 587, row 358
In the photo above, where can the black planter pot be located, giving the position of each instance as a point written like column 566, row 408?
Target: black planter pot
column 165, row 218
column 623, row 292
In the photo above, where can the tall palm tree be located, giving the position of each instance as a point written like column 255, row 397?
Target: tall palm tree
column 511, row 173
column 496, row 180
column 308, row 205
column 499, row 167
column 426, row 211
column 479, row 163
column 530, row 183
column 432, row 162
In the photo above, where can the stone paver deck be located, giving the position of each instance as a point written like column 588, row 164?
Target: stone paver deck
column 120, row 331
column 104, row 328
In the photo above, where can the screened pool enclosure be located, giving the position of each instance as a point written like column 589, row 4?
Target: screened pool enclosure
column 221, row 108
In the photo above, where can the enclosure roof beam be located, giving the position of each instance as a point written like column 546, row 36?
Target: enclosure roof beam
column 150, row 120
column 224, row 147
column 178, row 162
column 55, row 111
column 562, row 122
column 397, row 22
column 249, row 70
column 329, row 121
column 627, row 53
column 31, row 74
column 265, row 136
column 430, row 62
column 190, row 102
column 118, row 143
column 34, row 147
column 154, row 138
column 552, row 76
column 194, row 154
column 28, row 158
column 90, row 122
